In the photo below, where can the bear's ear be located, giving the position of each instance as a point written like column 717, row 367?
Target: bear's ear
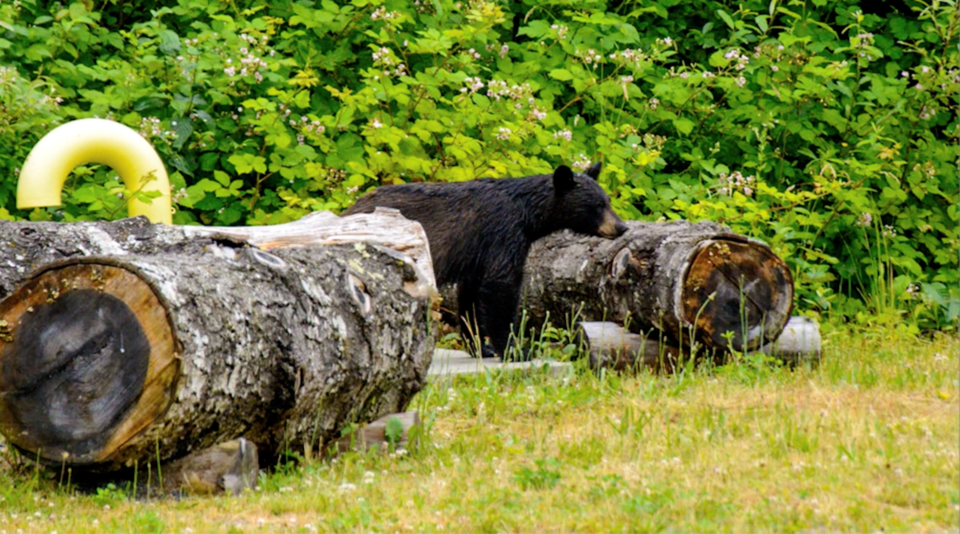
column 563, row 179
column 594, row 170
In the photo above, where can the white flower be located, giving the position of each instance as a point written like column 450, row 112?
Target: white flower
column 376, row 123
column 581, row 163
column 592, row 57
column 473, row 85
column 383, row 57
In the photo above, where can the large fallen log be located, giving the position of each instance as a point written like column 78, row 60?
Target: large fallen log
column 137, row 343
column 689, row 281
column 26, row 246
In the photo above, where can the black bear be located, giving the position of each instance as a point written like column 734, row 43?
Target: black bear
column 480, row 232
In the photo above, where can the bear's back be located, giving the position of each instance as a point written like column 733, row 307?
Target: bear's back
column 465, row 222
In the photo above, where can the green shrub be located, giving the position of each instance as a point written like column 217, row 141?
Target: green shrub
column 824, row 130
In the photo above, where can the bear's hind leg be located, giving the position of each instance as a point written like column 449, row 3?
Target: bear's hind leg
column 470, row 333
column 496, row 311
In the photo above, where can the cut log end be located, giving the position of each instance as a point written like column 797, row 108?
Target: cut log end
column 85, row 357
column 739, row 289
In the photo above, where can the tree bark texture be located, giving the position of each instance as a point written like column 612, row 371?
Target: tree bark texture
column 136, row 343
column 680, row 278
column 27, row 246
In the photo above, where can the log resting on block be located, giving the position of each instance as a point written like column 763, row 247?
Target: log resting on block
column 611, row 346
column 678, row 278
column 174, row 343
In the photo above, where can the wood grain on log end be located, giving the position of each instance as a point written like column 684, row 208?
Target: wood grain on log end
column 87, row 359
column 738, row 287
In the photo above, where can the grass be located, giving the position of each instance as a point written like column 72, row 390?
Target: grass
column 867, row 441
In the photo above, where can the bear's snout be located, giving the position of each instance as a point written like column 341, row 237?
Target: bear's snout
column 612, row 226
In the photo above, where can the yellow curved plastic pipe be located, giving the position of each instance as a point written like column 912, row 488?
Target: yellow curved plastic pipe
column 107, row 142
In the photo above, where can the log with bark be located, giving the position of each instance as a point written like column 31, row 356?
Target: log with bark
column 135, row 343
column 26, row 246
column 684, row 280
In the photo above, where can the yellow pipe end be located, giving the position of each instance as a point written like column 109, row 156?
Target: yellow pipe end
column 107, row 142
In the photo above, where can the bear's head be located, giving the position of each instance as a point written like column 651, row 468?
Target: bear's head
column 582, row 205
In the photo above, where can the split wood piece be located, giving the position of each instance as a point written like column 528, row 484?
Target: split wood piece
column 613, row 347
column 385, row 226
column 374, row 434
column 107, row 362
column 678, row 277
column 27, row 246
column 230, row 467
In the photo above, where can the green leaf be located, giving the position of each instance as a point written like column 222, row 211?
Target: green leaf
column 683, row 125
column 169, row 42
column 762, row 23
column 561, row 74
column 726, row 18
column 221, row 177
column 183, row 128
column 787, row 12
column 394, row 430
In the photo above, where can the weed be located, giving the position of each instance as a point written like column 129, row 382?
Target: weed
column 545, row 476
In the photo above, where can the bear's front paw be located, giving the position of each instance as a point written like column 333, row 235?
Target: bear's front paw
column 488, row 351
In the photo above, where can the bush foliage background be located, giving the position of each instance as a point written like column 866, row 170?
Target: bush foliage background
column 820, row 127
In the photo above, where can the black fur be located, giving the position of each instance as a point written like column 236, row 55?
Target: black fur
column 480, row 233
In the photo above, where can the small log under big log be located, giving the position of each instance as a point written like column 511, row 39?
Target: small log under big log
column 378, row 434
column 229, row 467
column 682, row 279
column 181, row 339
column 610, row 346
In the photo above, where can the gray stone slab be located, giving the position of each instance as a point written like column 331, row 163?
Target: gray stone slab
column 448, row 362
